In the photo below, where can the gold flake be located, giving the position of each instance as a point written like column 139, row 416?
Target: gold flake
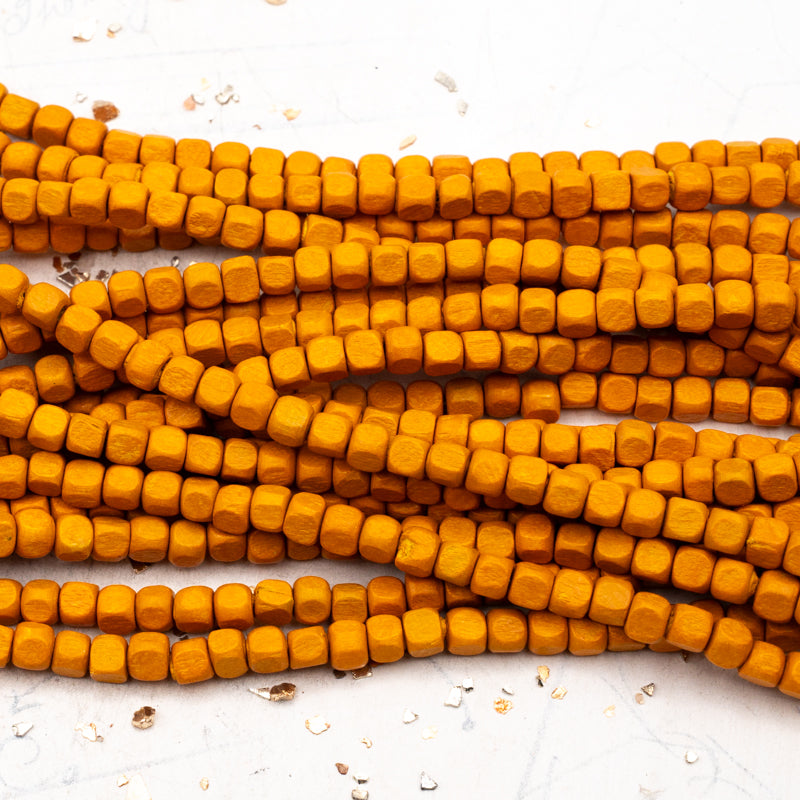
column 639, row 698
column 204, row 784
column 342, row 768
column 292, row 113
column 649, row 689
column 559, row 693
column 144, row 717
column 503, row 706
column 542, row 674
column 610, row 711
column 366, row 741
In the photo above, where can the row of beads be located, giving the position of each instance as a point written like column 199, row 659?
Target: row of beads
column 173, row 201
column 54, row 125
column 284, row 232
column 532, row 586
column 348, row 644
column 342, row 530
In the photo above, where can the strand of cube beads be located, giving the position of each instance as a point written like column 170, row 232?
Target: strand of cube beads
column 151, row 183
column 101, row 347
column 348, row 643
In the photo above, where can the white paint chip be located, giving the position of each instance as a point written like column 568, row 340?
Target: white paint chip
column 446, row 80
column 690, row 757
column 19, row 729
column 426, row 783
column 407, row 142
column 84, row 30
column 317, row 725
column 89, row 731
column 137, row 788
column 430, row 732
column 453, row 697
column 409, row 716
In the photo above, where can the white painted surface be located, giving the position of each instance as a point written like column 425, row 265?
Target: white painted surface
column 576, row 76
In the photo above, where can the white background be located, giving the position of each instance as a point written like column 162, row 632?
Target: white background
column 561, row 76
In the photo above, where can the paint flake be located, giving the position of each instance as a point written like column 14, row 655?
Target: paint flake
column 409, row 716
column 446, row 80
column 20, row 729
column 144, row 717
column 84, row 30
column 502, row 706
column 317, row 725
column 426, row 783
column 407, row 142
column 453, row 697
column 89, row 731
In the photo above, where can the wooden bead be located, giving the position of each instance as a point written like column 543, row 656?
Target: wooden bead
column 190, row 661
column 226, row 649
column 571, row 594
column 348, row 644
column 730, row 644
column 148, row 656
column 71, row 654
column 308, row 647
column 424, row 632
column 379, row 539
column 32, row 646
column 733, row 581
column 647, row 618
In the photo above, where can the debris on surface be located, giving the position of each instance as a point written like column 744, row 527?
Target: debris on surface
column 138, row 566
column 80, row 97
column 502, row 706
column 360, row 777
column 366, row 741
column 204, row 784
column 68, row 279
column 407, row 142
column 57, row 266
column 175, row 261
column 446, row 80
column 610, row 711
column 467, row 684
column 263, row 692
column 89, row 731
column 84, row 30
column 462, row 106
column 430, row 732
column 639, row 698
column 19, row 729
column 359, row 794
column 364, row 672
column 224, row 96
column 409, row 716
column 649, row 689
column 317, row 724
column 542, row 674
column 123, row 780
column 453, row 697
column 281, row 692
column 113, row 29
column 426, row 783
column 144, row 717
column 137, row 789
column 189, row 103
column 342, row 768
column 292, row 113
column 690, row 757
column 509, row 690
column 559, row 693
column 339, row 674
